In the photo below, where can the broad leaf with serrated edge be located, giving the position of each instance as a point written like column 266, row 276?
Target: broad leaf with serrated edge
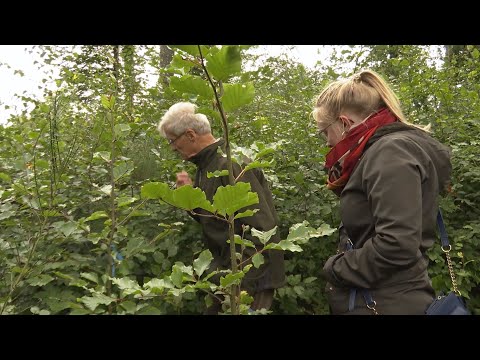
column 229, row 199
column 189, row 198
column 202, row 262
column 92, row 302
column 225, row 63
column 191, row 85
column 264, row 236
column 237, row 95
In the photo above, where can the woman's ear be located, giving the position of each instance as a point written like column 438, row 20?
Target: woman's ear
column 347, row 122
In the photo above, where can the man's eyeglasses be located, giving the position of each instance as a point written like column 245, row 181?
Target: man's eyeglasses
column 172, row 141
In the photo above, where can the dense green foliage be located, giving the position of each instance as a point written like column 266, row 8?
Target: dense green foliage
column 77, row 236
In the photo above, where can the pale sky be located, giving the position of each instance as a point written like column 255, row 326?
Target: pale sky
column 18, row 58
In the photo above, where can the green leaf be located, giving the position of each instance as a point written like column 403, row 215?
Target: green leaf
column 264, row 236
column 229, row 199
column 246, row 213
column 288, row 245
column 149, row 310
column 129, row 306
column 40, row 280
column 128, row 286
column 231, row 279
column 158, row 284
column 309, row 279
column 41, row 164
column 244, row 242
column 105, row 102
column 185, row 197
column 121, row 129
column 5, row 214
column 79, row 312
column 92, row 302
column 97, row 215
column 179, row 63
column 191, row 85
column 5, row 177
column 176, row 276
column 125, row 200
column 202, row 262
column 106, row 189
column 50, row 213
column 122, row 169
column 154, row 190
column 237, row 95
column 258, row 260
column 301, row 232
column 68, row 228
column 90, row 276
column 217, row 173
column 32, row 202
column 105, row 155
column 225, row 63
column 189, row 198
column 258, row 164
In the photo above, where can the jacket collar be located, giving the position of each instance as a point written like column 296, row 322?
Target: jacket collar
column 388, row 129
column 207, row 154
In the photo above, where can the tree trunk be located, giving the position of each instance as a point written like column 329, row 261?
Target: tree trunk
column 166, row 56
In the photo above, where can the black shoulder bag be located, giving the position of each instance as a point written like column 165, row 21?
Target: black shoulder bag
column 453, row 303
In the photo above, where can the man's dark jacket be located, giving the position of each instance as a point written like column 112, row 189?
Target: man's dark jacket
column 270, row 275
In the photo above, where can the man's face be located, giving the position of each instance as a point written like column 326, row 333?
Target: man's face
column 182, row 143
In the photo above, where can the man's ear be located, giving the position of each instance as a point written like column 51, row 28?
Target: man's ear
column 191, row 134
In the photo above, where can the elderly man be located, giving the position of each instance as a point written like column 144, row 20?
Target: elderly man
column 189, row 134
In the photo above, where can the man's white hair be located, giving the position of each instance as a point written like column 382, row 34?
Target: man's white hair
column 180, row 117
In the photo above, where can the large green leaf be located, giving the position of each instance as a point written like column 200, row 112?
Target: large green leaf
column 191, row 85
column 202, row 262
column 128, row 286
column 225, row 63
column 154, row 190
column 179, row 63
column 189, row 198
column 229, row 199
column 237, row 95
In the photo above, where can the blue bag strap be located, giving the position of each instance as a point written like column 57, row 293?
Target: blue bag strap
column 443, row 231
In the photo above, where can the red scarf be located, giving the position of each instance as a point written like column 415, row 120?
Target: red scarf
column 342, row 158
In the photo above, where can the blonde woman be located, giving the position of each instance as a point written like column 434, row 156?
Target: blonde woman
column 388, row 174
